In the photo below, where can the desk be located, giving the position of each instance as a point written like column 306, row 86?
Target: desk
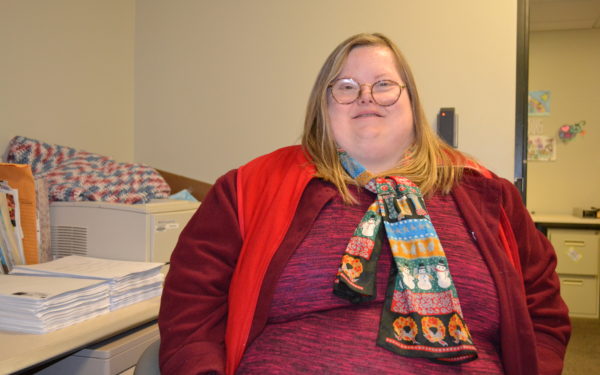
column 20, row 351
column 544, row 221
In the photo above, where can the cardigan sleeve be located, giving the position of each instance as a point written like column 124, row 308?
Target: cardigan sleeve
column 193, row 309
column 548, row 311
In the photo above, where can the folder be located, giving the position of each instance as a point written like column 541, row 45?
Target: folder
column 19, row 177
column 11, row 235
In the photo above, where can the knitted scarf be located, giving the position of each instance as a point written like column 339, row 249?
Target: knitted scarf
column 421, row 314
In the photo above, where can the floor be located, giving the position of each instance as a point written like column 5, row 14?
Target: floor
column 583, row 352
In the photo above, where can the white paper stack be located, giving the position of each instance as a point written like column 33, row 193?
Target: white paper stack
column 129, row 281
column 34, row 304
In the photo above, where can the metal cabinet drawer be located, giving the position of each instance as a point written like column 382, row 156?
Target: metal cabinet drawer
column 580, row 294
column 577, row 250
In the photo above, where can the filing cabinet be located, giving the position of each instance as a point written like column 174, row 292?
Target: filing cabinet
column 578, row 269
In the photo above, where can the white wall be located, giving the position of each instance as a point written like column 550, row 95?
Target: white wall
column 218, row 83
column 567, row 63
column 66, row 73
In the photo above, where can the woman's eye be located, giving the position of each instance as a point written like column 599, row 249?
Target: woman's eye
column 346, row 85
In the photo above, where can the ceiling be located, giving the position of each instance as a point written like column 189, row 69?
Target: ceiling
column 547, row 15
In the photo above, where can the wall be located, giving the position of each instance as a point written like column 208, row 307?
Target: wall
column 567, row 63
column 218, row 83
column 66, row 73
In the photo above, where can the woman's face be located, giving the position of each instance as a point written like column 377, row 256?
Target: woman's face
column 376, row 136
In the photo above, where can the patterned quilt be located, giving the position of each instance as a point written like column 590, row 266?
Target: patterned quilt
column 74, row 175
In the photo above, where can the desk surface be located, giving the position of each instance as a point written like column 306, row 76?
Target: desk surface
column 555, row 219
column 19, row 351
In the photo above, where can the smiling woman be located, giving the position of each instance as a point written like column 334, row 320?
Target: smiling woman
column 434, row 260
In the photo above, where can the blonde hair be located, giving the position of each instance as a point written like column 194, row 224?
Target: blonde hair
column 430, row 162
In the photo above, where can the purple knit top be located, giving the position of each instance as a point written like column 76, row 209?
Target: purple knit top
column 312, row 331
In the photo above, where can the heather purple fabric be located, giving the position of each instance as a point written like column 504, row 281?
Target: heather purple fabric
column 305, row 315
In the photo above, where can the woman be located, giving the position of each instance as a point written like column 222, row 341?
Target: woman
column 372, row 248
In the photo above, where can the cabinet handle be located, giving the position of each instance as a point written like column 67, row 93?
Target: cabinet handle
column 575, row 243
column 572, row 282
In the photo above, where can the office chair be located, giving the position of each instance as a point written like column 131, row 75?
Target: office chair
column 148, row 362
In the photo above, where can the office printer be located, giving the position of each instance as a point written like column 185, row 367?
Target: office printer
column 141, row 232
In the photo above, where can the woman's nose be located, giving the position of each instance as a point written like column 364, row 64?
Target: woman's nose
column 364, row 95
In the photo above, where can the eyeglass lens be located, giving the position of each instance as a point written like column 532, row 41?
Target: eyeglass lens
column 347, row 90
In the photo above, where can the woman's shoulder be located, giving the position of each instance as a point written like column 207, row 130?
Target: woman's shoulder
column 283, row 163
column 291, row 154
column 490, row 187
column 228, row 179
column 476, row 171
column 279, row 165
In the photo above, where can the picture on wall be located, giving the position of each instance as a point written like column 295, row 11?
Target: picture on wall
column 539, row 103
column 541, row 148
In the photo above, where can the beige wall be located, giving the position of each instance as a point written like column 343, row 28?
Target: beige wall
column 218, row 83
column 567, row 63
column 213, row 84
column 66, row 73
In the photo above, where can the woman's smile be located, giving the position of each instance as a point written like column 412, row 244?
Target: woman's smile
column 365, row 114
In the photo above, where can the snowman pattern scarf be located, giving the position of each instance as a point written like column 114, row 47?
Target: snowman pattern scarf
column 421, row 314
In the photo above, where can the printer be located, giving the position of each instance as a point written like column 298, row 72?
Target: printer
column 140, row 232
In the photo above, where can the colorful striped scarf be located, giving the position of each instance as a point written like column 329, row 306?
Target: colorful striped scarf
column 421, row 315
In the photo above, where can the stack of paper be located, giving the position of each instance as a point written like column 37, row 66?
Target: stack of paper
column 129, row 281
column 34, row 304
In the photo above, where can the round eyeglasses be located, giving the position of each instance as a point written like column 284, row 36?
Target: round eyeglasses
column 385, row 92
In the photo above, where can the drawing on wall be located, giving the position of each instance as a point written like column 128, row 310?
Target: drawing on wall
column 541, row 148
column 539, row 103
column 535, row 126
column 568, row 132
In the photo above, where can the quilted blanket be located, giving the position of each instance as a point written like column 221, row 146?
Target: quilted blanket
column 75, row 175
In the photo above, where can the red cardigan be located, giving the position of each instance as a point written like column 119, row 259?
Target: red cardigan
column 533, row 317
